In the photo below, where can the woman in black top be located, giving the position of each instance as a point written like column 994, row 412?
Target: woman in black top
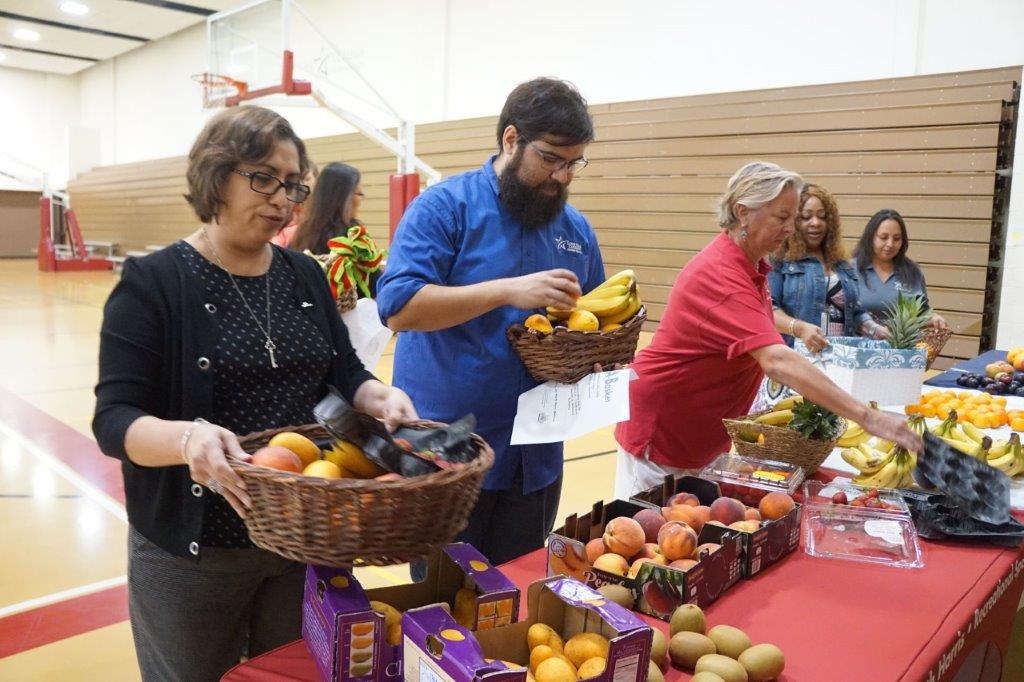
column 218, row 334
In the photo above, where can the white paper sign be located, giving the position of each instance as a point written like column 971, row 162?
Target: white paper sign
column 553, row 412
column 369, row 337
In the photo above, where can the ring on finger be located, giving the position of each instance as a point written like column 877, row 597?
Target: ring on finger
column 214, row 485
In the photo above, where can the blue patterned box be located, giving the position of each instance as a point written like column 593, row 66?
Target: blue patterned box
column 871, row 370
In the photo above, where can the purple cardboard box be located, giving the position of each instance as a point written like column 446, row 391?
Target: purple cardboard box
column 350, row 641
column 435, row 650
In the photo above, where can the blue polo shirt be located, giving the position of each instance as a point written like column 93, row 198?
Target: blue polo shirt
column 455, row 234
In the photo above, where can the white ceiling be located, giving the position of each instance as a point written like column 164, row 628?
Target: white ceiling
column 68, row 49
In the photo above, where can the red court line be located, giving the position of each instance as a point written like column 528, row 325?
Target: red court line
column 63, row 442
column 49, row 624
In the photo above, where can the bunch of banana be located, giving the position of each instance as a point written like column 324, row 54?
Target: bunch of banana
column 1010, row 463
column 893, row 470
column 612, row 302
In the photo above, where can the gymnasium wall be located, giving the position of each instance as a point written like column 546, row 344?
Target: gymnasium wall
column 924, row 145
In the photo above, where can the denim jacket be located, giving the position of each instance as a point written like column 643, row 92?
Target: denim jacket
column 799, row 287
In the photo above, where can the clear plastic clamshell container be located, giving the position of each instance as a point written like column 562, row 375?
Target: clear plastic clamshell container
column 748, row 479
column 882, row 533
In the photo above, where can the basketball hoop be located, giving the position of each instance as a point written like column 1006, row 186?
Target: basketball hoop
column 217, row 89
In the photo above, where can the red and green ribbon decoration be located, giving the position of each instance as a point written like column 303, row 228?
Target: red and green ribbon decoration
column 357, row 258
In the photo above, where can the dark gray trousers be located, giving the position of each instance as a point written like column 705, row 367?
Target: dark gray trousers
column 192, row 620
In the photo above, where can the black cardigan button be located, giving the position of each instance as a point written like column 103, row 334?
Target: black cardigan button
column 197, row 490
column 204, row 363
column 193, row 548
column 210, row 308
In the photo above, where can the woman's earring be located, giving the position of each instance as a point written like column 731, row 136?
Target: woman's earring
column 743, row 234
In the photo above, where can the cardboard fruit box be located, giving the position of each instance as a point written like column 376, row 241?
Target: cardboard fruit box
column 349, row 640
column 436, row 648
column 657, row 589
column 761, row 548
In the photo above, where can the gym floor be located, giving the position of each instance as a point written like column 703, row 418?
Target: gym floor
column 63, row 605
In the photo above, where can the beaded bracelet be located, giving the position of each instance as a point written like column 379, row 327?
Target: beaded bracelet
column 792, row 326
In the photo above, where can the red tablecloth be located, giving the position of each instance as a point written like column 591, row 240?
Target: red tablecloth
column 834, row 620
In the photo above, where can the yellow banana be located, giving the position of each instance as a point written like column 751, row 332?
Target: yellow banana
column 885, row 446
column 605, row 292
column 788, row 403
column 1006, row 463
column 854, row 458
column 778, row 418
column 632, row 307
column 998, row 449
column 956, row 434
column 625, row 277
column 886, row 477
column 957, row 445
column 555, row 314
column 604, row 307
column 854, row 435
column 972, row 432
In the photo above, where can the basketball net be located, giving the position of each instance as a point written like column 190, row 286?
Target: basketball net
column 217, row 89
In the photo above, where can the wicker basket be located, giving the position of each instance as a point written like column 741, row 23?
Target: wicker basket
column 566, row 355
column 780, row 443
column 347, row 521
column 935, row 339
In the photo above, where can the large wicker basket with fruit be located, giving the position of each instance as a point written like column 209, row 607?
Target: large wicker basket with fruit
column 793, row 431
column 337, row 522
column 603, row 328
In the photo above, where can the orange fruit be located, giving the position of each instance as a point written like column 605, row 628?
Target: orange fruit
column 539, row 323
column 322, row 469
column 928, row 411
column 1017, row 424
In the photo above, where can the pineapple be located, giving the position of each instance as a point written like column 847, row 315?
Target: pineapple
column 814, row 422
column 907, row 317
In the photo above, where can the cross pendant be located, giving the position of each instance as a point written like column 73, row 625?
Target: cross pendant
column 270, row 346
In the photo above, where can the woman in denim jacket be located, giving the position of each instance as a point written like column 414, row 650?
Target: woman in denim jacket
column 814, row 289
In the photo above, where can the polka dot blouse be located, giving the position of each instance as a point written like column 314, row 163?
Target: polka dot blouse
column 248, row 394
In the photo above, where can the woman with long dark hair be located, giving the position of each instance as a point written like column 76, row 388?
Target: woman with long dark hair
column 814, row 289
column 334, row 208
column 884, row 268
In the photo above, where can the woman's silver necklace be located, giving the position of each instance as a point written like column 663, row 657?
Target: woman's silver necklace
column 269, row 345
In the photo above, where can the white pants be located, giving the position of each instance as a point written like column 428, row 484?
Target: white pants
column 635, row 474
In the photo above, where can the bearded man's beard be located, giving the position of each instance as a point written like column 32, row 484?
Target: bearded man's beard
column 531, row 206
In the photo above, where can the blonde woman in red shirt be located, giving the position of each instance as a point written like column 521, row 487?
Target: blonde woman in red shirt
column 717, row 340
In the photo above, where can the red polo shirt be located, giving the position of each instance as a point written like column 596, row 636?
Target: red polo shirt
column 697, row 369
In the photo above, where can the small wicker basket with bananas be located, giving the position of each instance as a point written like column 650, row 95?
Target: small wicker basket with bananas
column 603, row 328
column 793, row 430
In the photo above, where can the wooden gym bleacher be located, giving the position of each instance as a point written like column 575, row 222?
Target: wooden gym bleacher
column 925, row 145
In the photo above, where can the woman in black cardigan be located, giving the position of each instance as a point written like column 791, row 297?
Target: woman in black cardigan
column 216, row 335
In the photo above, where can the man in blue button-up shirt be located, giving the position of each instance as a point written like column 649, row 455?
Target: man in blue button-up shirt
column 474, row 255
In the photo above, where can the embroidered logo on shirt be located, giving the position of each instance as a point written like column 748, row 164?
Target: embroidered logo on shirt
column 568, row 246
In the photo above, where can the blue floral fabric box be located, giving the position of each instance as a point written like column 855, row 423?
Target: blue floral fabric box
column 871, row 370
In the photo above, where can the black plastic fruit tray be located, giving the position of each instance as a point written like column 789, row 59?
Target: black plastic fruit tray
column 980, row 491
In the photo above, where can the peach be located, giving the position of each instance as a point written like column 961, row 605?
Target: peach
column 652, row 551
column 775, row 505
column 595, row 548
column 623, row 536
column 727, row 510
column 677, row 540
column 751, row 515
column 709, row 547
column 702, row 513
column 277, row 457
column 651, row 521
column 689, row 499
column 680, row 512
column 635, row 568
column 746, row 526
column 683, row 564
column 612, row 563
